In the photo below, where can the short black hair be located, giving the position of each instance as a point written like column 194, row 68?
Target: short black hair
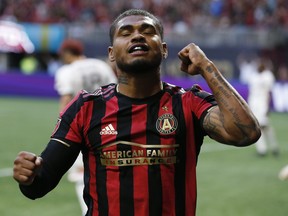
column 135, row 12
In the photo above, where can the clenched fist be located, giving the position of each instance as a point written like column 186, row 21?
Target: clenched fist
column 26, row 167
column 193, row 59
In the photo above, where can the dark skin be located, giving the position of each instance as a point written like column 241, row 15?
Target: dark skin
column 131, row 31
column 137, row 53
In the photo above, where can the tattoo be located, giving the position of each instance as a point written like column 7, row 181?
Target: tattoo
column 123, row 79
column 209, row 69
column 212, row 125
column 222, row 100
column 235, row 114
column 245, row 129
column 224, row 91
column 236, row 127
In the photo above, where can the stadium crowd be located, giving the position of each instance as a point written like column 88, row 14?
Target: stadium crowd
column 175, row 14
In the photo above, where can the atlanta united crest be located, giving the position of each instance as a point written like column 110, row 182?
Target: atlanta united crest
column 166, row 124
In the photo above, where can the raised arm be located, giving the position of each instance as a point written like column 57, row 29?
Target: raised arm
column 231, row 122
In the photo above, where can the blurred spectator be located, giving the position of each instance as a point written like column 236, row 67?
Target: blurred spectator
column 247, row 64
column 260, row 85
column 282, row 73
column 257, row 13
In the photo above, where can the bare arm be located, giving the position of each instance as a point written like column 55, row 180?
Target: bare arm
column 231, row 122
column 64, row 100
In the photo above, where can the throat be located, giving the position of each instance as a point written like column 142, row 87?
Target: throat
column 139, row 92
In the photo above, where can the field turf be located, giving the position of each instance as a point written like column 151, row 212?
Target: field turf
column 231, row 181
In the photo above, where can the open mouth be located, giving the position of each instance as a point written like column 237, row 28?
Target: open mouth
column 138, row 47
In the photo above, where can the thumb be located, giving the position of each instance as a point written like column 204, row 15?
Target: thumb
column 38, row 164
column 38, row 161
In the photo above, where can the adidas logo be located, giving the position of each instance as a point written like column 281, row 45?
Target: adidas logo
column 108, row 130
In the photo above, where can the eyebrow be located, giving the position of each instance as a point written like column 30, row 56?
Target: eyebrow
column 143, row 26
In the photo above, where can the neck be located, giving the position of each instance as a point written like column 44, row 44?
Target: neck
column 139, row 86
column 75, row 58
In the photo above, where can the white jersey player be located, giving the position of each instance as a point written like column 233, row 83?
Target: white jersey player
column 86, row 73
column 79, row 72
column 260, row 84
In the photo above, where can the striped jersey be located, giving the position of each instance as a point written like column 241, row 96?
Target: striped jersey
column 139, row 155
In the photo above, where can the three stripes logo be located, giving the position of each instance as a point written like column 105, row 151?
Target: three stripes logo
column 108, row 130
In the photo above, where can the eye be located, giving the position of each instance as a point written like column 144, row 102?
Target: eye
column 149, row 31
column 125, row 33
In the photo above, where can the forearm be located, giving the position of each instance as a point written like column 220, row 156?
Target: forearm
column 64, row 100
column 57, row 159
column 235, row 115
column 42, row 184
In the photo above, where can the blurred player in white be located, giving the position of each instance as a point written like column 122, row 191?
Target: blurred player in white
column 247, row 63
column 260, row 84
column 77, row 73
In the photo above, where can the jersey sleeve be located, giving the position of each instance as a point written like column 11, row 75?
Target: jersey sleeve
column 63, row 82
column 69, row 127
column 201, row 101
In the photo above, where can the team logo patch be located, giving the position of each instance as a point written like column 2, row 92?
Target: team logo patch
column 166, row 124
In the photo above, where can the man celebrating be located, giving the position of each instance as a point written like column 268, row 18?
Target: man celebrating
column 140, row 139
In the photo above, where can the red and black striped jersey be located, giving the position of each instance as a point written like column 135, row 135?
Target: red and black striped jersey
column 139, row 155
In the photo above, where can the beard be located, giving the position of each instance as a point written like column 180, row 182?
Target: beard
column 140, row 66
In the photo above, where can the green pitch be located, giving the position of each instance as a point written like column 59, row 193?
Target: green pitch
column 231, row 181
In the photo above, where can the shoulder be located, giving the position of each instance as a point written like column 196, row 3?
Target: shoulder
column 173, row 89
column 64, row 72
column 98, row 65
column 103, row 92
column 85, row 99
column 63, row 69
column 90, row 61
column 195, row 90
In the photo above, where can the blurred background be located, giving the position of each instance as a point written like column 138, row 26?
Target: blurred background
column 232, row 33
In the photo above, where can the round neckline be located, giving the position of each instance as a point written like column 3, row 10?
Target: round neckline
column 145, row 100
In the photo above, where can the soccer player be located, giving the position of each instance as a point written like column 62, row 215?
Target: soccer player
column 79, row 72
column 140, row 139
column 260, row 85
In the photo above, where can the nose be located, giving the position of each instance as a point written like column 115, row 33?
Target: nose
column 137, row 37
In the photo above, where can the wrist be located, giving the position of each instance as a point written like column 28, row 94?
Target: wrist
column 207, row 67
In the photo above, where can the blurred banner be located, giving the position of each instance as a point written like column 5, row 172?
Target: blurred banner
column 13, row 38
column 45, row 37
column 40, row 85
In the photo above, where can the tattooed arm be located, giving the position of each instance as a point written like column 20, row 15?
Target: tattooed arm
column 231, row 122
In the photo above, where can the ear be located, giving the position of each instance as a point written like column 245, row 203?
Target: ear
column 165, row 50
column 111, row 54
